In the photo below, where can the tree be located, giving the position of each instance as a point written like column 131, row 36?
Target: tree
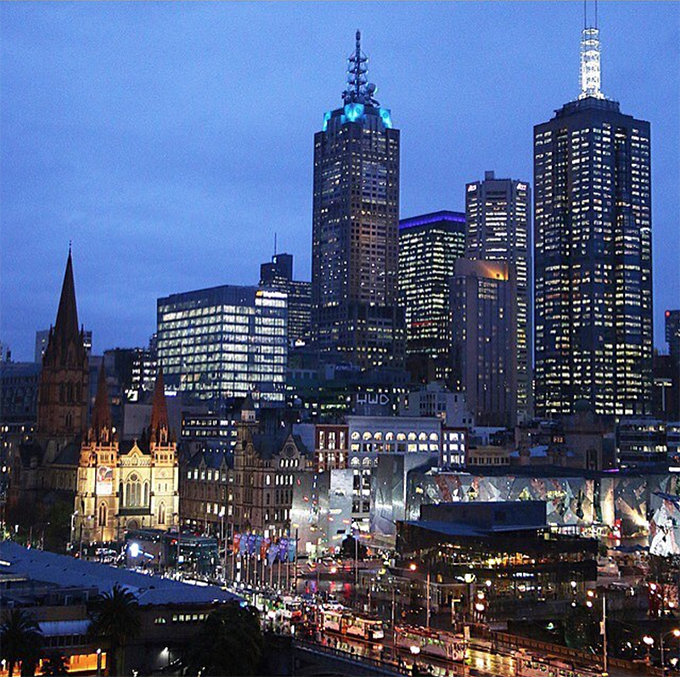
column 115, row 616
column 20, row 639
column 55, row 665
column 229, row 643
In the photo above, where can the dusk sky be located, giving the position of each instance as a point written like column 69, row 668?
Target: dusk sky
column 171, row 141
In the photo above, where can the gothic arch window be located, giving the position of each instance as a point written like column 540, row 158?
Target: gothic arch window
column 102, row 514
column 69, row 391
column 133, row 492
column 79, row 392
column 69, row 421
column 62, row 393
column 161, row 513
column 146, row 494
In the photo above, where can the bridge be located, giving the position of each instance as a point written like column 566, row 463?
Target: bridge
column 314, row 660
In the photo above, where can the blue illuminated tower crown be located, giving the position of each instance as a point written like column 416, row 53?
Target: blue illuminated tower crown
column 359, row 95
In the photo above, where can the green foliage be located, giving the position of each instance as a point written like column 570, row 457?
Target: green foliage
column 20, row 641
column 229, row 643
column 115, row 616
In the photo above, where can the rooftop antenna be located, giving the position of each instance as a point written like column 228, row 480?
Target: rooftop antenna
column 591, row 74
column 274, row 243
column 359, row 89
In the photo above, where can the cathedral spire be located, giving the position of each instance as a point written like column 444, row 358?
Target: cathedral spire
column 66, row 326
column 159, row 412
column 100, row 426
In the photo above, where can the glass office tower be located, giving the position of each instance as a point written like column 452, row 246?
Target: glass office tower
column 225, row 342
column 429, row 245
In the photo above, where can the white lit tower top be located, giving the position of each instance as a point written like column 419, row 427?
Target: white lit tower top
column 591, row 71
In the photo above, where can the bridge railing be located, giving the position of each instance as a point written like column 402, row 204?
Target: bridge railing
column 385, row 666
column 519, row 642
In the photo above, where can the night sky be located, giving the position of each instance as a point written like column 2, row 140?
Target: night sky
column 171, row 141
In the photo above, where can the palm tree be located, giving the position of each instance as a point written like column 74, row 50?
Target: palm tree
column 20, row 639
column 55, row 665
column 115, row 616
column 228, row 643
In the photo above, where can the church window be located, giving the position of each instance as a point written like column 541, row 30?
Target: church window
column 146, row 494
column 101, row 517
column 161, row 513
column 133, row 492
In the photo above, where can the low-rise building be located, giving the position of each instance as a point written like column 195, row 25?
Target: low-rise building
column 56, row 590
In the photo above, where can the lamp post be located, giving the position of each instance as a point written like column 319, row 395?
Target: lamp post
column 649, row 641
column 676, row 633
column 99, row 662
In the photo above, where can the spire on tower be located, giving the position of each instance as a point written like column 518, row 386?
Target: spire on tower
column 101, row 412
column 359, row 89
column 66, row 325
column 160, row 425
column 591, row 74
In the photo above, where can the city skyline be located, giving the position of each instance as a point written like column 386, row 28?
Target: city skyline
column 123, row 258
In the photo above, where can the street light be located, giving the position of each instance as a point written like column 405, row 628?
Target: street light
column 649, row 641
column 676, row 633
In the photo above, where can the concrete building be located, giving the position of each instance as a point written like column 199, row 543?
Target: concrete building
column 484, row 336
column 435, row 400
column 371, row 437
column 498, row 222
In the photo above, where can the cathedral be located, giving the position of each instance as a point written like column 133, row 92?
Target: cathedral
column 69, row 471
column 122, row 487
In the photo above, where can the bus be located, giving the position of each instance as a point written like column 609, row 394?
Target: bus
column 532, row 666
column 429, row 641
column 351, row 623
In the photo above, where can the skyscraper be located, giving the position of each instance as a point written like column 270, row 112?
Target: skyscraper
column 497, row 214
column 278, row 274
column 355, row 317
column 428, row 248
column 225, row 342
column 484, row 339
column 593, row 253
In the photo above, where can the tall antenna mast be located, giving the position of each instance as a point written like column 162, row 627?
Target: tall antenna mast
column 359, row 89
column 591, row 74
column 274, row 243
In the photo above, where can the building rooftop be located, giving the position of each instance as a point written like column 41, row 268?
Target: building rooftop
column 48, row 567
column 433, row 217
